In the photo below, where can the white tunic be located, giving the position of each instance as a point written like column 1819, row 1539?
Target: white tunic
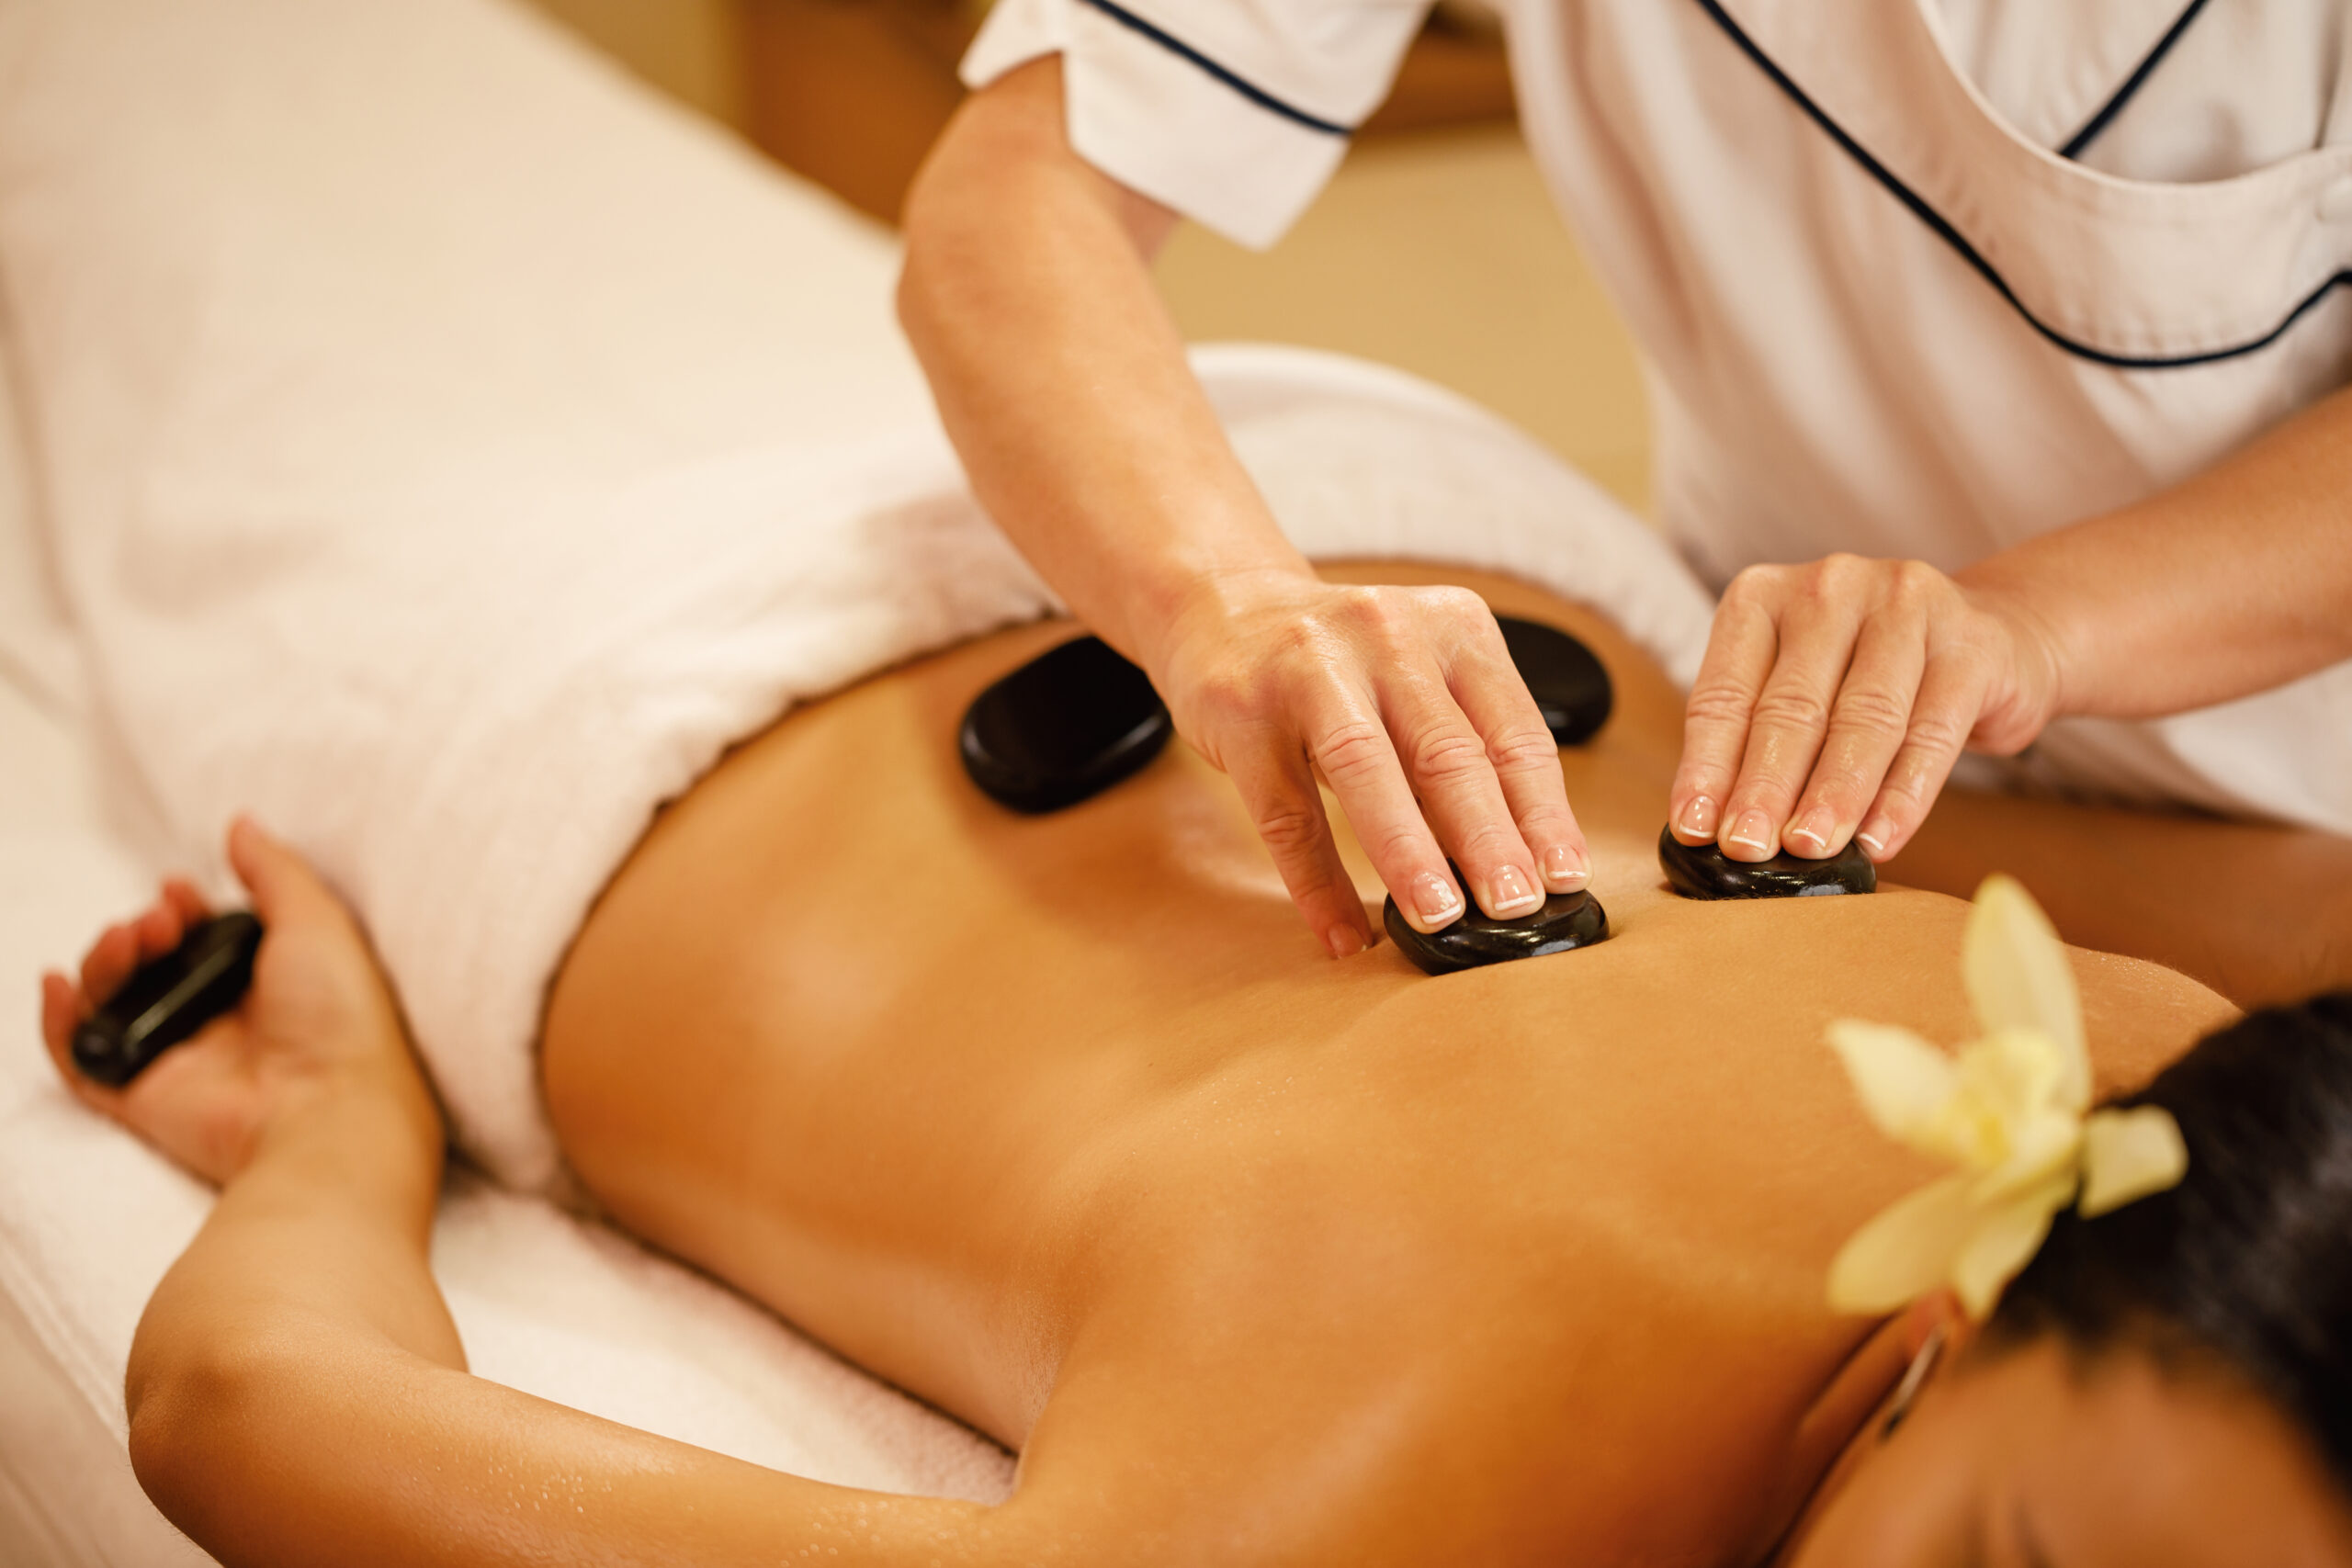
column 1919, row 278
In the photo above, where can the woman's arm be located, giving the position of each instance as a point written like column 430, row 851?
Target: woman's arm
column 1064, row 385
column 296, row 1390
column 1835, row 696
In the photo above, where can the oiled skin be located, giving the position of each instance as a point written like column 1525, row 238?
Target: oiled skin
column 1066, row 1125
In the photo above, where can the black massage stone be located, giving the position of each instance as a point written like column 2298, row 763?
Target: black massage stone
column 1078, row 718
column 168, row 998
column 1566, row 921
column 1570, row 687
column 1702, row 871
column 1066, row 725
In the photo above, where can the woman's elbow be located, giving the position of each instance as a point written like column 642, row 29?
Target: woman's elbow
column 187, row 1406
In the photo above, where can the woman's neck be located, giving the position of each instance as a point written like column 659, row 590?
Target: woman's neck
column 1836, row 1434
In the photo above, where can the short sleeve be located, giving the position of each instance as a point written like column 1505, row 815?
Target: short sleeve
column 1232, row 112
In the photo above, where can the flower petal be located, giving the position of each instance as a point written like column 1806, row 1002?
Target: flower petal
column 2040, row 1148
column 2007, row 1081
column 2014, row 1074
column 2018, row 978
column 2002, row 1241
column 2129, row 1155
column 1904, row 1252
column 1902, row 1080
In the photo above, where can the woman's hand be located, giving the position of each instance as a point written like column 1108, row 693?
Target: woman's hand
column 318, row 1014
column 1406, row 702
column 1835, row 696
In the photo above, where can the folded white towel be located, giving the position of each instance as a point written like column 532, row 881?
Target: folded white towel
column 449, row 451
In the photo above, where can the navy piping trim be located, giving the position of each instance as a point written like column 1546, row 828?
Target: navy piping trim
column 1246, row 88
column 2132, row 85
column 1974, row 257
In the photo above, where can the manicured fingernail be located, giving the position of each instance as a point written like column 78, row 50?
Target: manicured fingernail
column 1343, row 941
column 1874, row 835
column 1752, row 832
column 1565, row 870
column 1814, row 829
column 1511, row 893
column 1436, row 900
column 1699, row 818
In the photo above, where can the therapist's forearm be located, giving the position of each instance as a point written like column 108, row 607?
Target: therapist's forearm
column 1066, row 389
column 2233, row 582
column 1061, row 378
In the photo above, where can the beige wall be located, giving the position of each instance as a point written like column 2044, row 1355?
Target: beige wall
column 690, row 49
column 1437, row 251
column 1440, row 252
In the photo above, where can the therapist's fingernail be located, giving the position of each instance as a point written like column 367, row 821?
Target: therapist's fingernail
column 1813, row 831
column 1565, row 870
column 1752, row 832
column 1343, row 941
column 1511, row 893
column 1437, row 902
column 1699, row 818
column 1876, row 834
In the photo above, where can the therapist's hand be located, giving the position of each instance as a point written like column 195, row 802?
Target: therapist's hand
column 1406, row 702
column 1064, row 383
column 1835, row 696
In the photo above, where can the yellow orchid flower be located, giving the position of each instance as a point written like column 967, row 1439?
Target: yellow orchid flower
column 2008, row 1110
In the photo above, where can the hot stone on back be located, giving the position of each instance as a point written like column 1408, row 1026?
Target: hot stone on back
column 1566, row 921
column 1702, row 871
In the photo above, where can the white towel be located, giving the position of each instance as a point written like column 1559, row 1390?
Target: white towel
column 449, row 451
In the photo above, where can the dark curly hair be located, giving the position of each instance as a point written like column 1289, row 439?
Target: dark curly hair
column 2248, row 1260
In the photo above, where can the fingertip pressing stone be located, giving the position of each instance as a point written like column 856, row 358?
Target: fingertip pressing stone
column 1566, row 921
column 1704, row 871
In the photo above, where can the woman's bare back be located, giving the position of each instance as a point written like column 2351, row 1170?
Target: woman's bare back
column 1066, row 1125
